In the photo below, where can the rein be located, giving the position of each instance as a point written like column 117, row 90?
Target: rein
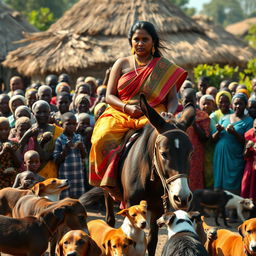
column 157, row 166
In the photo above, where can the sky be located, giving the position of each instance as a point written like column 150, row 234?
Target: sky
column 198, row 4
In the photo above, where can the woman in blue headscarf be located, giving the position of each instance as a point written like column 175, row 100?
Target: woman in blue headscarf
column 228, row 161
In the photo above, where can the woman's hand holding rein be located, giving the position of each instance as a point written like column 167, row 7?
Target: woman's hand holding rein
column 132, row 110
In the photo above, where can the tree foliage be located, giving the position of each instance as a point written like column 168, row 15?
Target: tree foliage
column 224, row 12
column 182, row 4
column 218, row 74
column 41, row 13
column 251, row 37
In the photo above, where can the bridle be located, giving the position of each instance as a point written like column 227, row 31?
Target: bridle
column 156, row 166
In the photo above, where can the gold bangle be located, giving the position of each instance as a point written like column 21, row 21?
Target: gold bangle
column 124, row 107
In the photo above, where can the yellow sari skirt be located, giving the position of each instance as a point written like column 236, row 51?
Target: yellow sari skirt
column 107, row 143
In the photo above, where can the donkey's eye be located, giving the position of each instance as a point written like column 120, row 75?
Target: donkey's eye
column 164, row 155
column 134, row 215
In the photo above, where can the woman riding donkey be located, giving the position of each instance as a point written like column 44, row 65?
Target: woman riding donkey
column 147, row 72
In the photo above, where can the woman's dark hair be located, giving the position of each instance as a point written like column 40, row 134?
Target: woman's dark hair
column 149, row 27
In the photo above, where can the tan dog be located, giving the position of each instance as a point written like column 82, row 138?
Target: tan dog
column 77, row 243
column 113, row 242
column 232, row 244
column 133, row 226
column 50, row 188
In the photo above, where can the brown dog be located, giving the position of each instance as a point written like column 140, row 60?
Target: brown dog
column 75, row 213
column 30, row 235
column 50, row 188
column 113, row 242
column 78, row 243
column 232, row 244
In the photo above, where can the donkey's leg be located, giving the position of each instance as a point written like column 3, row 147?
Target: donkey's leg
column 153, row 233
column 110, row 217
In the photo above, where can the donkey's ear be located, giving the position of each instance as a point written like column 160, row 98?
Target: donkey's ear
column 154, row 118
column 187, row 117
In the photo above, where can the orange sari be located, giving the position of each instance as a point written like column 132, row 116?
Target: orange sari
column 155, row 81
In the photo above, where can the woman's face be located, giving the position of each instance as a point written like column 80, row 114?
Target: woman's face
column 83, row 106
column 4, row 105
column 23, row 112
column 42, row 114
column 4, row 131
column 45, row 95
column 16, row 103
column 239, row 106
column 252, row 109
column 142, row 42
column 22, row 128
column 63, row 103
column 224, row 103
column 31, row 98
column 207, row 106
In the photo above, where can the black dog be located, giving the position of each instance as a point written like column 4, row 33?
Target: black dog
column 212, row 199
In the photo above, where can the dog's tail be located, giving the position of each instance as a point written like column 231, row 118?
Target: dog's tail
column 92, row 197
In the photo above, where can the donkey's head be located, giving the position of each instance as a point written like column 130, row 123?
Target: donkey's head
column 171, row 154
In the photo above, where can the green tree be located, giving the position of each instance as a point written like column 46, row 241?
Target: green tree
column 41, row 19
column 224, row 12
column 249, row 7
column 182, row 4
column 251, row 37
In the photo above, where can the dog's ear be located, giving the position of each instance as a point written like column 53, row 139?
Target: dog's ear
column 241, row 229
column 143, row 203
column 166, row 219
column 123, row 212
column 59, row 249
column 93, row 248
column 37, row 188
column 107, row 246
column 194, row 215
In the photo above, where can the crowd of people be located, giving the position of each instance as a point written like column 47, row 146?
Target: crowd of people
column 74, row 131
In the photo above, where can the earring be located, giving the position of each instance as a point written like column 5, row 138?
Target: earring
column 153, row 50
column 133, row 51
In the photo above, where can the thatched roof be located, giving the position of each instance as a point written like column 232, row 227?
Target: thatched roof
column 12, row 26
column 241, row 28
column 233, row 44
column 93, row 32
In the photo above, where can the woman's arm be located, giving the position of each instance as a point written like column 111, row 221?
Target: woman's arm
column 111, row 94
column 172, row 98
column 216, row 135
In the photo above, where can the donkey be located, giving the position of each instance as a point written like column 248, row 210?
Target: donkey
column 157, row 166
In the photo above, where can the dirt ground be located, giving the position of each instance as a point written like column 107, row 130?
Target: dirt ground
column 162, row 236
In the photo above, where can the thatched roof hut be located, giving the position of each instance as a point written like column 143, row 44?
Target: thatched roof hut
column 12, row 27
column 233, row 44
column 93, row 34
column 241, row 28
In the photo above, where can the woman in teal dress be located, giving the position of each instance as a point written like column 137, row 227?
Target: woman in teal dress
column 228, row 161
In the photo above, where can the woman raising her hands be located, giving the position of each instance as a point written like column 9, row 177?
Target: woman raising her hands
column 145, row 71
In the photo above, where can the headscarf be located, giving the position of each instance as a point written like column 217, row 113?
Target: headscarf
column 22, row 120
column 100, row 88
column 42, row 103
column 22, row 108
column 252, row 99
column 244, row 91
column 219, row 94
column 29, row 90
column 80, row 97
column 90, row 79
column 98, row 107
column 60, row 86
column 231, row 84
column 14, row 98
column 42, row 88
column 241, row 96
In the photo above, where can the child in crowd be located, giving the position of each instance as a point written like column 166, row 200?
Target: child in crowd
column 4, row 105
column 63, row 101
column 28, row 178
column 82, row 105
column 10, row 158
column 14, row 103
column 31, row 97
column 69, row 154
